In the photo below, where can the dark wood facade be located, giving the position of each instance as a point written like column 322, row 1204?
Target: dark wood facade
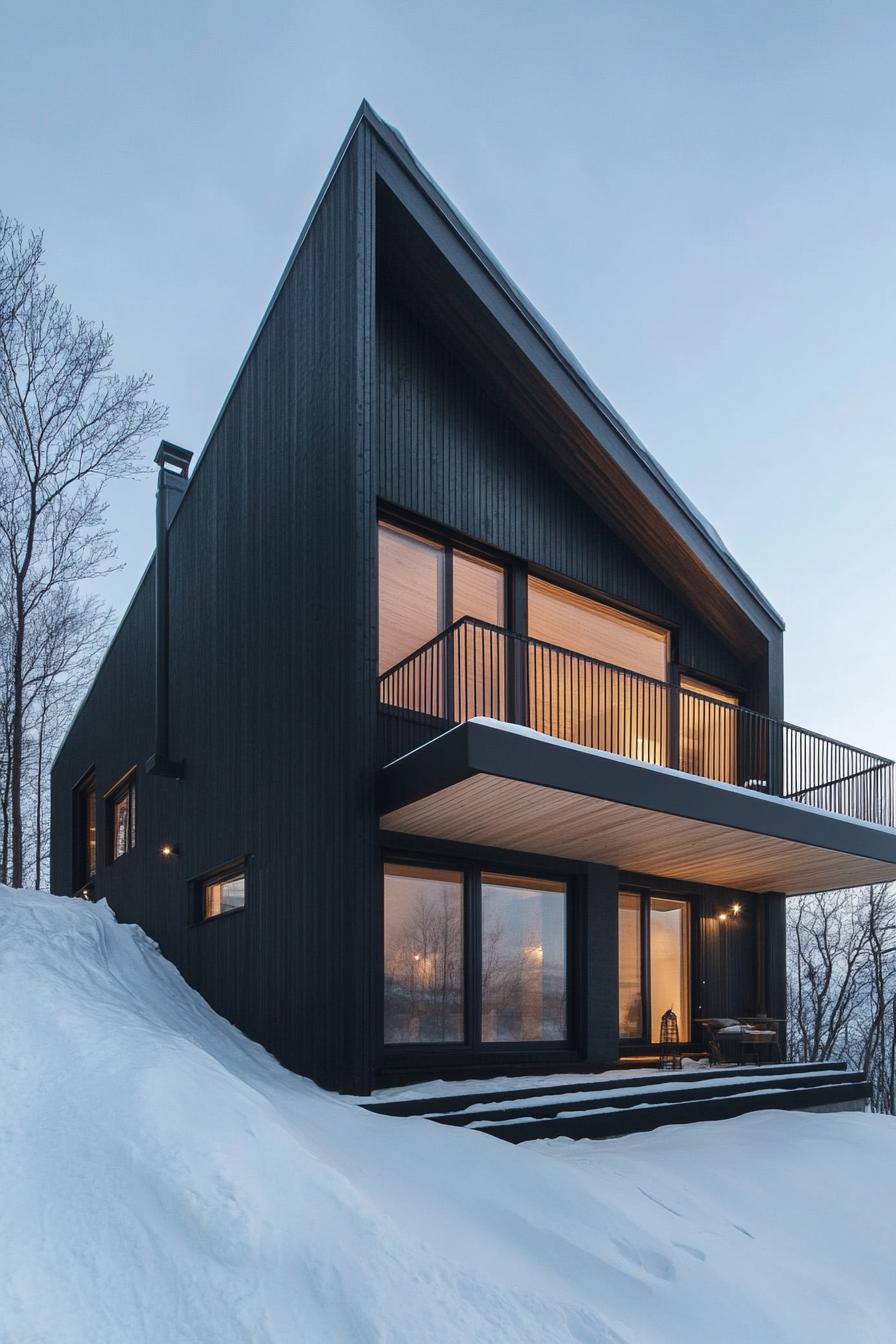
column 395, row 368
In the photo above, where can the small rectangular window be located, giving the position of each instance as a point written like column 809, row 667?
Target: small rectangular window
column 223, row 893
column 121, row 817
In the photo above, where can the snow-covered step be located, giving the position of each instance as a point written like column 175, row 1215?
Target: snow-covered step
column 623, row 1096
column 618, row 1105
column 613, row 1121
column 426, row 1102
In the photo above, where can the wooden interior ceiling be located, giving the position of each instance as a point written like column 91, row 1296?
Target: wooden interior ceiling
column 415, row 265
column 509, row 814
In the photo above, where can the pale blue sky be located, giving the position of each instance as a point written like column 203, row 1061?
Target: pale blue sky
column 700, row 196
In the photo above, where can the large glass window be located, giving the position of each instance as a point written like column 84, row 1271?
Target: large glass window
column 666, row 944
column 514, row 969
column 425, row 586
column 480, row 655
column 423, row 948
column 708, row 730
column 411, row 595
column 631, row 1007
column 523, row 959
column 670, row 965
column 596, row 705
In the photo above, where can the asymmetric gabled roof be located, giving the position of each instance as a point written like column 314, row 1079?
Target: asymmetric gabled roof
column 399, row 147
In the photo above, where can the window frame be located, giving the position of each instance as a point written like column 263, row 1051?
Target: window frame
column 238, row 867
column 517, row 572
column 473, row 1050
column 126, row 785
column 82, row 879
column 449, row 544
column 628, row 1044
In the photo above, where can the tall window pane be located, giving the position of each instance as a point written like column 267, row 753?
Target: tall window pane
column 708, row 731
column 523, row 959
column 480, row 655
column 122, row 818
column 597, row 706
column 631, row 1008
column 411, row 593
column 670, row 964
column 423, row 955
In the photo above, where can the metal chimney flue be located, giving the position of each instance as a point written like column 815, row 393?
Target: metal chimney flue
column 174, row 465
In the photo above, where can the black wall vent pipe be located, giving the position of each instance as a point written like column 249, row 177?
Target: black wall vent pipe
column 173, row 464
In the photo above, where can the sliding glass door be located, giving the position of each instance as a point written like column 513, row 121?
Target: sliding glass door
column 670, row 965
column 473, row 959
column 654, row 965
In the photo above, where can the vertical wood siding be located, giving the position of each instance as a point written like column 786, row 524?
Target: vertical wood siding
column 272, row 676
column 447, row 452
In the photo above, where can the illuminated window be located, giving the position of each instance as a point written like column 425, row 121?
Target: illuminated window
column 223, row 893
column 426, row 586
column 707, row 735
column 631, row 1006
column 579, row 683
column 510, row 980
column 670, row 964
column 523, row 959
column 121, row 816
column 85, row 833
column 423, row 950
column 648, row 988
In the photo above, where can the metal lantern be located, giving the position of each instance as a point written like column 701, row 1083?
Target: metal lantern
column 670, row 1049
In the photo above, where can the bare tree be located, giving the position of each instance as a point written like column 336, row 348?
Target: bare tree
column 842, row 983
column 68, row 425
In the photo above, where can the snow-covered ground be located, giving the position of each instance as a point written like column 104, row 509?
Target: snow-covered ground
column 164, row 1181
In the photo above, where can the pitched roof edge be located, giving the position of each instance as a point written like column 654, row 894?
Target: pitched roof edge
column 398, row 146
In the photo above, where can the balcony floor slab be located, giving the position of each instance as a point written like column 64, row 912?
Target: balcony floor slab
column 490, row 783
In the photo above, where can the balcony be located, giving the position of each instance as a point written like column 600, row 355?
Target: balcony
column 474, row 670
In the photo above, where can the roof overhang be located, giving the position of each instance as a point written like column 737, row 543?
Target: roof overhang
column 502, row 786
column 519, row 357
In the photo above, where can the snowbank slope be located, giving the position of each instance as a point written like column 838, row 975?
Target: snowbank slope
column 163, row 1180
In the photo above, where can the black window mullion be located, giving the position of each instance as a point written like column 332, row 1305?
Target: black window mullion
column 474, row 957
column 646, row 1007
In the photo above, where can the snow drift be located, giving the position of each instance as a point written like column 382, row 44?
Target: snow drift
column 164, row 1181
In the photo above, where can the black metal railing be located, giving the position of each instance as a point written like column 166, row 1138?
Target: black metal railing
column 477, row 670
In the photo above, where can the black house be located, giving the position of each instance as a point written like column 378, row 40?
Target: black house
column 443, row 734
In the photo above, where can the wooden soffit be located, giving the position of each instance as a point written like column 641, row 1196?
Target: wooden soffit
column 489, row 784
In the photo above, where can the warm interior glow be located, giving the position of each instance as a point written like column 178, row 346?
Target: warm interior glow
column 415, row 578
column 480, row 656
column 423, row 955
column 124, row 820
column 596, row 706
column 631, row 1008
column 707, row 738
column 411, row 593
column 91, row 832
column 669, row 964
column 225, row 894
column 523, row 959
